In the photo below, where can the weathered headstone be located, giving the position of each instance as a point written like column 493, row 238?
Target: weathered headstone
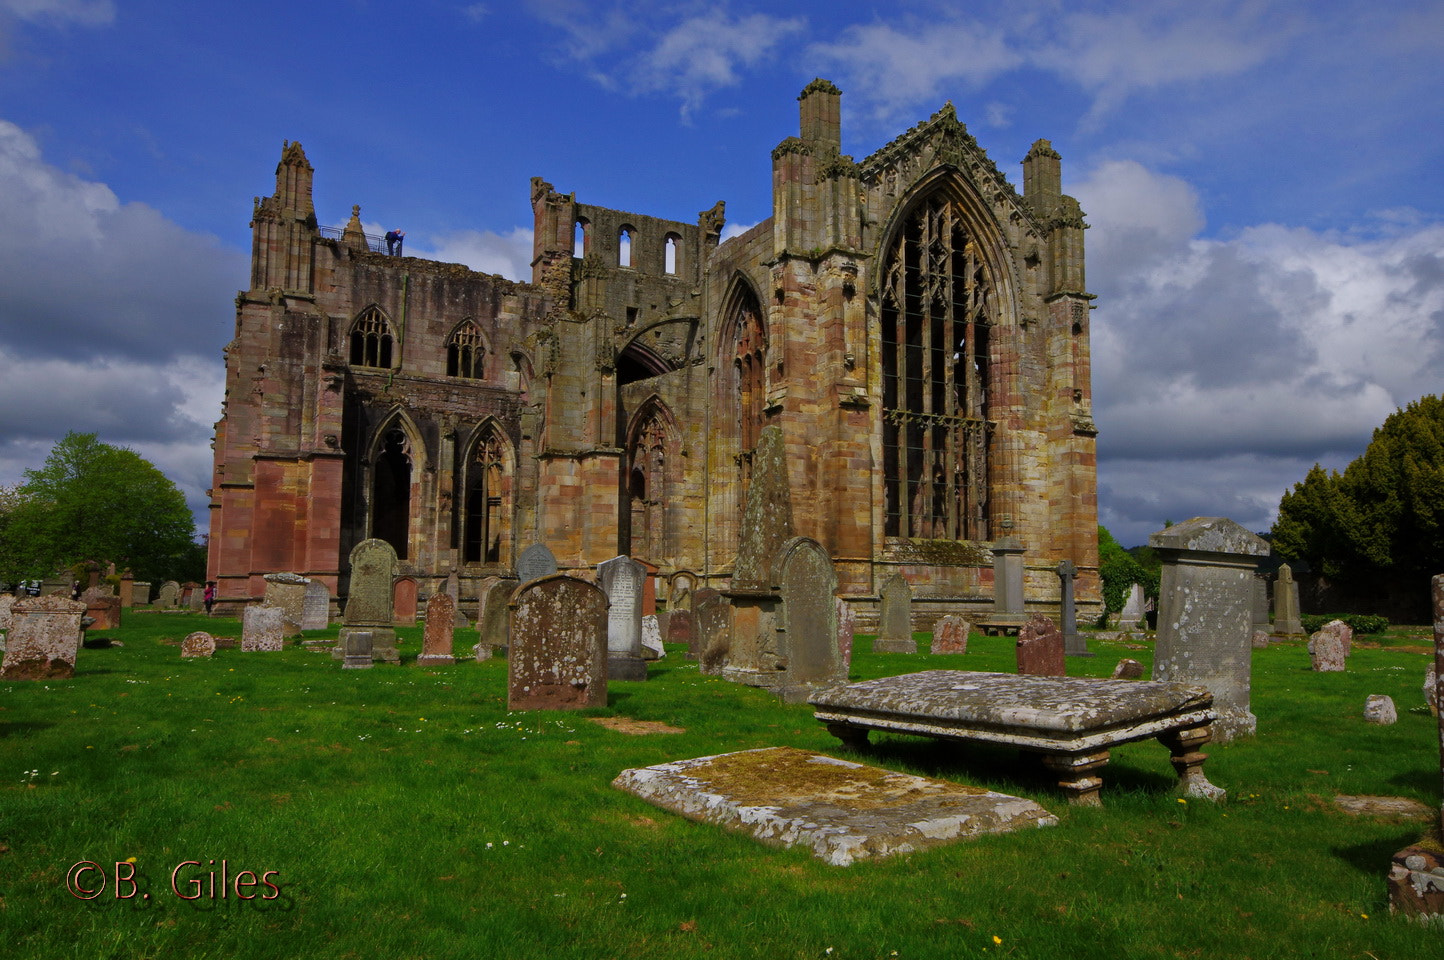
column 1205, row 614
column 766, row 515
column 1286, row 604
column 713, row 615
column 846, row 632
column 140, row 593
column 1329, row 647
column 493, row 616
column 1132, row 614
column 895, row 626
column 535, row 562
column 43, row 639
column 452, row 588
column 1261, row 639
column 1007, row 581
column 198, row 644
column 652, row 648
column 1040, row 648
column 127, row 590
column 95, row 592
column 1379, row 709
column 440, row 631
column 622, row 580
column 263, row 629
column 61, row 585
column 558, row 649
column 104, row 611
column 1261, row 622
column 358, row 651
column 368, row 603
column 649, row 586
column 1074, row 643
column 681, row 627
column 169, row 596
column 404, row 597
column 287, row 591
column 197, row 599
column 950, row 634
column 6, row 600
column 316, row 607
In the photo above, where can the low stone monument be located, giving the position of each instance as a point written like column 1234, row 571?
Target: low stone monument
column 1286, row 604
column 287, row 591
column 681, row 627
column 6, row 601
column 1040, row 648
column 1431, row 690
column 440, row 631
column 895, row 618
column 652, row 648
column 263, row 629
column 104, row 611
column 950, row 634
column 368, row 604
column 1132, row 615
column 846, row 632
column 140, row 593
column 493, row 616
column 316, row 607
column 621, row 579
column 1074, row 643
column 1008, row 575
column 1380, row 709
column 43, row 639
column 713, row 615
column 169, row 596
column 535, row 562
column 1329, row 648
column 558, row 653
column 358, row 651
column 198, row 644
column 1205, row 614
column 405, row 594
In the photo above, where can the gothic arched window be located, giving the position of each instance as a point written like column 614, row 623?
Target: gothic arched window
column 466, row 353
column 391, row 491
column 487, row 524
column 371, row 340
column 647, row 486
column 937, row 310
column 748, row 359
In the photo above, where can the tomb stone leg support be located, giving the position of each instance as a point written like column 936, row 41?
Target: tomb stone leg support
column 1073, row 771
column 853, row 738
column 1188, row 762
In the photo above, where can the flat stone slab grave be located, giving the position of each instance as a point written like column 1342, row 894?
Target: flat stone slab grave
column 842, row 811
column 1070, row 721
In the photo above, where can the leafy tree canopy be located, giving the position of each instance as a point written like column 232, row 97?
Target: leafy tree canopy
column 1118, row 570
column 93, row 501
column 1383, row 514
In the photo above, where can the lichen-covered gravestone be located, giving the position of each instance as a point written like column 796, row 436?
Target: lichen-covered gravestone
column 713, row 631
column 368, row 604
column 846, row 632
column 681, row 627
column 263, row 629
column 950, row 634
column 621, row 579
column 316, row 607
column 43, row 640
column 535, row 562
column 169, row 595
column 1040, row 648
column 895, row 627
column 287, row 591
column 652, row 648
column 1380, row 709
column 198, row 644
column 558, row 650
column 1329, row 648
column 6, row 601
column 1132, row 614
column 440, row 631
column 492, row 616
column 1205, row 614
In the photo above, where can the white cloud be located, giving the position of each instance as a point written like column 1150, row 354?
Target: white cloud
column 83, row 12
column 508, row 254
column 731, row 230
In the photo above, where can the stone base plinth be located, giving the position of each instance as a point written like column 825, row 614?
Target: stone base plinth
column 626, row 668
column 894, row 645
column 383, row 643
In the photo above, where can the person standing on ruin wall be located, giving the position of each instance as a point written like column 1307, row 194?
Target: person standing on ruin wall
column 394, row 239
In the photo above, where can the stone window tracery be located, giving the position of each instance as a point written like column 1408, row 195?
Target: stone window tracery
column 749, row 360
column 391, row 491
column 466, row 352
column 647, row 486
column 937, row 312
column 371, row 340
column 487, row 524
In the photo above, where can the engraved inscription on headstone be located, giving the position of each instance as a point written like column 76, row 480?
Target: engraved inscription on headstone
column 558, row 654
column 535, row 562
column 621, row 580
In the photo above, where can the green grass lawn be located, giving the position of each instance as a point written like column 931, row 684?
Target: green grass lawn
column 406, row 813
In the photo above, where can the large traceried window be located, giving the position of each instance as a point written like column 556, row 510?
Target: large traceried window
column 371, row 340
column 937, row 311
column 488, row 500
column 647, row 485
column 466, row 352
column 749, row 357
column 391, row 491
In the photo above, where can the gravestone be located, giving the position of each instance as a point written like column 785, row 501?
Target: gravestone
column 1286, row 604
column 895, row 624
column 1380, row 709
column 263, row 629
column 6, row 600
column 1007, row 582
column 127, row 590
column 197, row 599
column 652, row 648
column 535, row 562
column 404, row 596
column 713, row 616
column 558, row 650
column 682, row 586
column 169, row 596
column 287, row 591
column 1205, row 614
column 1074, row 643
column 104, row 611
column 95, row 592
column 52, row 586
column 368, row 603
column 950, row 634
column 359, row 655
column 681, row 627
column 452, row 588
column 1132, row 615
column 440, row 631
column 316, row 607
column 1040, row 648
column 1261, row 622
column 1128, row 669
column 43, row 639
column 846, row 633
column 766, row 515
column 140, row 593
column 493, row 616
column 1329, row 648
column 622, row 579
column 198, row 644
column 1431, row 690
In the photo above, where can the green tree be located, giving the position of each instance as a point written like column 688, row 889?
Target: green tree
column 93, row 501
column 1380, row 519
column 1118, row 570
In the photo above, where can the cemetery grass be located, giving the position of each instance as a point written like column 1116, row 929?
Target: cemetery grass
column 406, row 813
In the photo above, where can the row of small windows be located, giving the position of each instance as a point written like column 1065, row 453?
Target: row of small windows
column 582, row 245
column 372, row 345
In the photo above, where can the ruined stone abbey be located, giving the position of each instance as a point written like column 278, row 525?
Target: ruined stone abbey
column 916, row 327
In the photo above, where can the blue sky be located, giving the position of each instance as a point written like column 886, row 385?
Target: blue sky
column 1261, row 180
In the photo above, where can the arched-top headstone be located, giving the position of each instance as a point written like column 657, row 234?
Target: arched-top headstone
column 440, row 632
column 373, row 566
column 895, row 631
column 807, row 637
column 558, row 645
column 622, row 579
column 169, row 595
column 493, row 595
column 535, row 562
column 404, row 596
